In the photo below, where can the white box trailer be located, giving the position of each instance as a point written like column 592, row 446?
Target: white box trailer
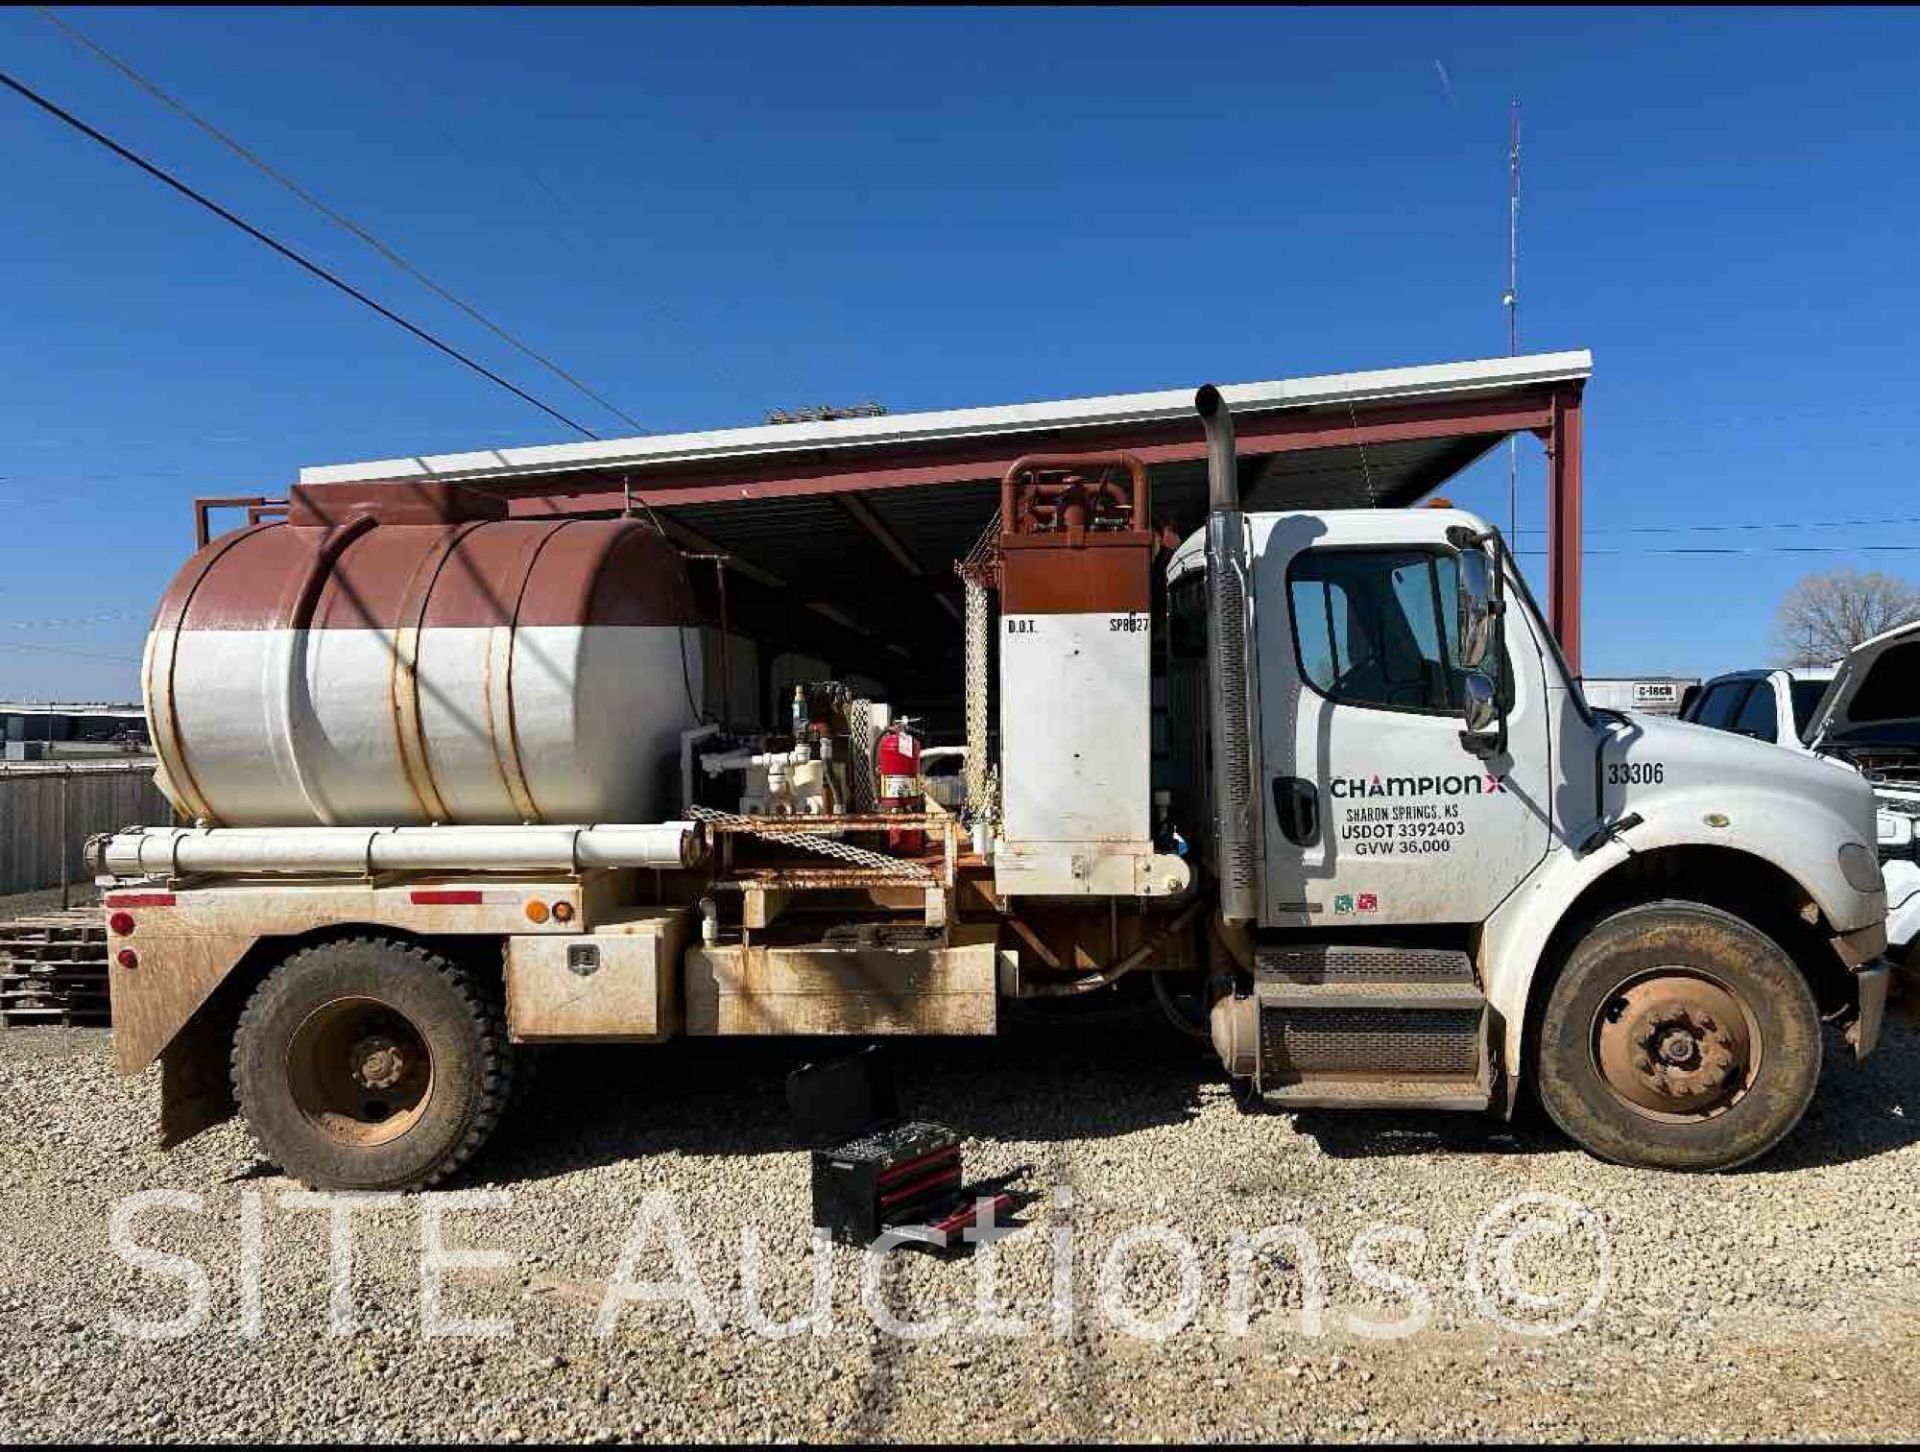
column 1654, row 695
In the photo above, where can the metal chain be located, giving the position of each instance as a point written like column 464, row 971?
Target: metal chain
column 808, row 842
column 978, row 647
column 863, row 785
column 862, row 782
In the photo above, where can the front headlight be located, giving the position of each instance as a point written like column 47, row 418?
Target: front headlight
column 1861, row 868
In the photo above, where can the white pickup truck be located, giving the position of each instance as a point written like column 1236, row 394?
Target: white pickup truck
column 1865, row 713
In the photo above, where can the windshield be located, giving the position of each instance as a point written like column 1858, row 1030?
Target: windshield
column 1806, row 696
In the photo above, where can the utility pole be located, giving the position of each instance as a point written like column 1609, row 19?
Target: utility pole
column 1512, row 302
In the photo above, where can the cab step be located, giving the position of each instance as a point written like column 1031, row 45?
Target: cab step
column 1359, row 1026
column 1360, row 993
column 1377, row 1094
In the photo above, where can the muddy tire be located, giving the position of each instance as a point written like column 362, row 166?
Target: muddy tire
column 1677, row 1037
column 371, row 1063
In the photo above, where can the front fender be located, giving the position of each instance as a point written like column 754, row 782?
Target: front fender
column 1514, row 940
column 1695, row 786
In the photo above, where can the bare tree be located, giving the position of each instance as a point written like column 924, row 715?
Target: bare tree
column 1825, row 616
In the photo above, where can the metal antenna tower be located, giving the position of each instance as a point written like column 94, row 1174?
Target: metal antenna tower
column 1512, row 303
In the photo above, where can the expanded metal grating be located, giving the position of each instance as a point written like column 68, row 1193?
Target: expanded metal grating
column 1324, row 963
column 1370, row 1041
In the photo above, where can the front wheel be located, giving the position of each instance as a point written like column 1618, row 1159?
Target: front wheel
column 371, row 1064
column 1678, row 1037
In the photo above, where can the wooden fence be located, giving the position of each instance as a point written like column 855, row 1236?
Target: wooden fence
column 48, row 810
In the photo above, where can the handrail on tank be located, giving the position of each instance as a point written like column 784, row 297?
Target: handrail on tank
column 258, row 507
column 1044, row 494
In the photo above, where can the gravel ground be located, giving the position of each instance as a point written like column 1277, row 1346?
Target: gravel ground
column 1771, row 1303
column 47, row 900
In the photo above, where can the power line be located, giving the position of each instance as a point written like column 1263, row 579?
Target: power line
column 335, row 217
column 557, row 228
column 63, row 650
column 69, row 621
column 160, row 175
column 1740, row 527
column 1840, row 549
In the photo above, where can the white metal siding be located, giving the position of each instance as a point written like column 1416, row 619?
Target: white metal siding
column 1074, row 729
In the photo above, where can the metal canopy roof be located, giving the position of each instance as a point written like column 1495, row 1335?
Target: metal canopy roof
column 860, row 520
column 763, row 445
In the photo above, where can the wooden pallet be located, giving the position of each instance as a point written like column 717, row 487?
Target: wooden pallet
column 53, row 969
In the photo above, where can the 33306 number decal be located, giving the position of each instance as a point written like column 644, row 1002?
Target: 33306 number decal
column 1636, row 773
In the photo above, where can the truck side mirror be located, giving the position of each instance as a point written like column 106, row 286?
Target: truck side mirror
column 1479, row 608
column 1480, row 703
column 1481, row 603
column 1486, row 724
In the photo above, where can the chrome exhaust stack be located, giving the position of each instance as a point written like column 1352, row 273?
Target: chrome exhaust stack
column 1232, row 696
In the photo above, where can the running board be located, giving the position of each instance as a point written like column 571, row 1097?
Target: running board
column 1353, row 1027
column 1378, row 1094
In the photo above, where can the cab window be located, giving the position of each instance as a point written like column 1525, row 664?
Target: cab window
column 1718, row 704
column 1759, row 716
column 1379, row 627
column 1806, row 696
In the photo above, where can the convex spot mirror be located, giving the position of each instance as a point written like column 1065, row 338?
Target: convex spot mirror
column 1479, row 702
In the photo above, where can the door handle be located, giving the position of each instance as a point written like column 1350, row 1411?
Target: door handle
column 1296, row 802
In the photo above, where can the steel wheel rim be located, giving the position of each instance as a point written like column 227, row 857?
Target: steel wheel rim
column 1677, row 1045
column 360, row 1071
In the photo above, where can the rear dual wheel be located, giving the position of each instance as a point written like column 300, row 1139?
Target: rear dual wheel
column 1679, row 1037
column 371, row 1063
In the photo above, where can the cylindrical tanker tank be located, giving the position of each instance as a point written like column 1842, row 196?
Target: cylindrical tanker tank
column 383, row 670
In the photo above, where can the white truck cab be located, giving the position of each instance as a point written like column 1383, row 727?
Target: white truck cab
column 1863, row 713
column 1652, row 911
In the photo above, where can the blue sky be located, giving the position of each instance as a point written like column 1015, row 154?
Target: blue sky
column 708, row 214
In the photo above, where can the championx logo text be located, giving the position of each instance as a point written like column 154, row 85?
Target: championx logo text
column 1467, row 784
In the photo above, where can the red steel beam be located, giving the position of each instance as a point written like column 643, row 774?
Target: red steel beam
column 1554, row 414
column 1563, row 440
column 987, row 459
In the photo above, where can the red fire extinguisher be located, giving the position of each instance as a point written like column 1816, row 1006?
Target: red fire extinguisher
column 900, row 791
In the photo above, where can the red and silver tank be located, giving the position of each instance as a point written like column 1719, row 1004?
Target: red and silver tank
column 386, row 658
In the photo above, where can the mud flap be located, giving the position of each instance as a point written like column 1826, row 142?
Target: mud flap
column 196, row 1089
column 1871, row 984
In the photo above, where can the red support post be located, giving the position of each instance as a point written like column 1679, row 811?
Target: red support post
column 1563, row 463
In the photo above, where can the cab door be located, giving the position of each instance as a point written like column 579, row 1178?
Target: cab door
column 1376, row 813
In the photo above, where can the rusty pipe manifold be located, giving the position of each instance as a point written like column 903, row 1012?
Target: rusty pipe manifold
column 1042, row 487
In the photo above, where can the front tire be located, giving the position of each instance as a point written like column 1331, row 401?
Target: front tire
column 1677, row 1037
column 371, row 1063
